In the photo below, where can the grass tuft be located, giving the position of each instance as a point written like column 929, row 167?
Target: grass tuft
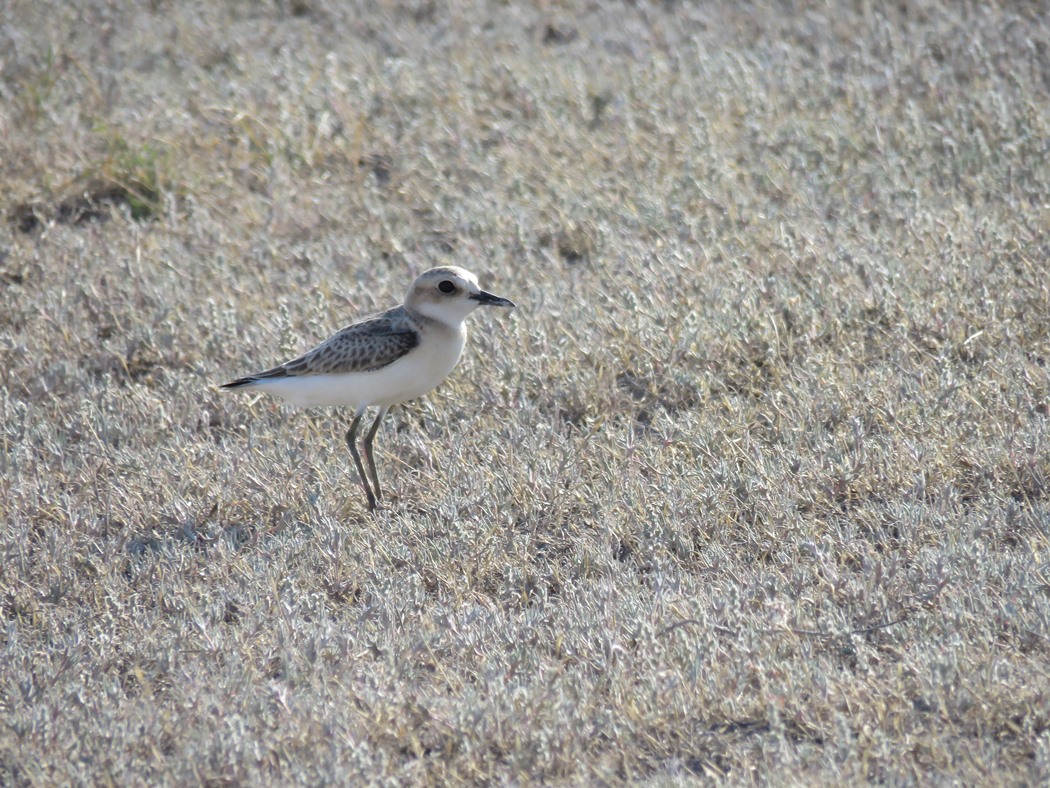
column 135, row 177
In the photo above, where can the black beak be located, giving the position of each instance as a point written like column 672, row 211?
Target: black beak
column 487, row 299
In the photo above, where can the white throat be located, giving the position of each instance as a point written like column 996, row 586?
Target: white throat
column 448, row 313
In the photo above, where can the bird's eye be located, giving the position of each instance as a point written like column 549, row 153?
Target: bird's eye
column 446, row 287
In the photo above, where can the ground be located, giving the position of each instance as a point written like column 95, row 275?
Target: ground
column 751, row 487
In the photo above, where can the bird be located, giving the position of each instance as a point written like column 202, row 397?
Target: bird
column 382, row 360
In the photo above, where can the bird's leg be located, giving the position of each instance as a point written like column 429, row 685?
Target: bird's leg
column 368, row 451
column 351, row 438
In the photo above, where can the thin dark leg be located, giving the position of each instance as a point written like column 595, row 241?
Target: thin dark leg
column 371, row 436
column 351, row 438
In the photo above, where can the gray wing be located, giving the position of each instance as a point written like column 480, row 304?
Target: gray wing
column 363, row 347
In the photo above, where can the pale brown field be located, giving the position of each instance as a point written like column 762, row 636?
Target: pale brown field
column 752, row 486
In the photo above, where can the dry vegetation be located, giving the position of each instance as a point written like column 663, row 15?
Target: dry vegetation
column 752, row 485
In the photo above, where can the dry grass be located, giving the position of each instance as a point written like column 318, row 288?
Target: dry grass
column 753, row 484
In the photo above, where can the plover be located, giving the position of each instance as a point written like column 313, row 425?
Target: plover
column 383, row 360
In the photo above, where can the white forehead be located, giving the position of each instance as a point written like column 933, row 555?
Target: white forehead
column 447, row 272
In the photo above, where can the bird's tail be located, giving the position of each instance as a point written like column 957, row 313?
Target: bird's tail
column 239, row 383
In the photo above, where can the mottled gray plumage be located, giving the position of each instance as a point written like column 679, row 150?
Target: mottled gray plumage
column 362, row 347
